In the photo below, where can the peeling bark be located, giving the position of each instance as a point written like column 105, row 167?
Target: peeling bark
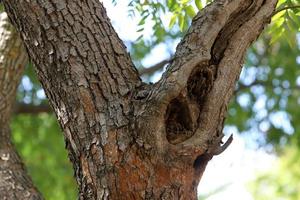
column 14, row 181
column 127, row 139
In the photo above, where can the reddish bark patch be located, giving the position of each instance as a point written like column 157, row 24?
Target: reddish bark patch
column 85, row 169
column 111, row 148
column 133, row 178
column 87, row 101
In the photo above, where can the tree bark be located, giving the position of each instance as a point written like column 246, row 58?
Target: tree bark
column 14, row 181
column 127, row 139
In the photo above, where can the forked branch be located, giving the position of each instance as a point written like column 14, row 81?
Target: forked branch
column 207, row 64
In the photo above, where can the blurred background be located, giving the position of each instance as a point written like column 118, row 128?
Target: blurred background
column 263, row 162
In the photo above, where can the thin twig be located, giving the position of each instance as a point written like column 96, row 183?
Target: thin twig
column 22, row 108
column 154, row 68
column 285, row 8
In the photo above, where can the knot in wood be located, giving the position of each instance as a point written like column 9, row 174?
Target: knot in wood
column 142, row 92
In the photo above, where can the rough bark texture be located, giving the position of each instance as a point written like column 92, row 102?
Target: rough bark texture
column 14, row 182
column 126, row 139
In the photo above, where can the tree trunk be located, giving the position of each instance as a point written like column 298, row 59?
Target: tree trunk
column 127, row 139
column 14, row 182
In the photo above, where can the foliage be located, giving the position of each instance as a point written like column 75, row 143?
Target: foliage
column 280, row 183
column 39, row 141
column 178, row 14
column 286, row 22
column 267, row 95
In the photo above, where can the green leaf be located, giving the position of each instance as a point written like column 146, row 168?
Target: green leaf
column 190, row 11
column 199, row 4
column 181, row 22
column 173, row 20
column 142, row 21
column 296, row 19
column 140, row 30
column 184, row 1
column 139, row 38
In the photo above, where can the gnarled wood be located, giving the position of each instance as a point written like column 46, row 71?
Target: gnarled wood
column 127, row 139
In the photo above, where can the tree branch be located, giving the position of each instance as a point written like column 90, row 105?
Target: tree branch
column 23, row 108
column 285, row 8
column 200, row 81
column 154, row 68
column 14, row 182
column 229, row 67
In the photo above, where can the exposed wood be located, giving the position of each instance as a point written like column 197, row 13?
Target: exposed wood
column 127, row 139
column 15, row 184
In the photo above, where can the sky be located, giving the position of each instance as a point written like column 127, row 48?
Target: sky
column 234, row 168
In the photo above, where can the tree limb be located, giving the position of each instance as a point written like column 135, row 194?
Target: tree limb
column 154, row 68
column 23, row 108
column 285, row 8
column 229, row 67
column 14, row 181
column 199, row 82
